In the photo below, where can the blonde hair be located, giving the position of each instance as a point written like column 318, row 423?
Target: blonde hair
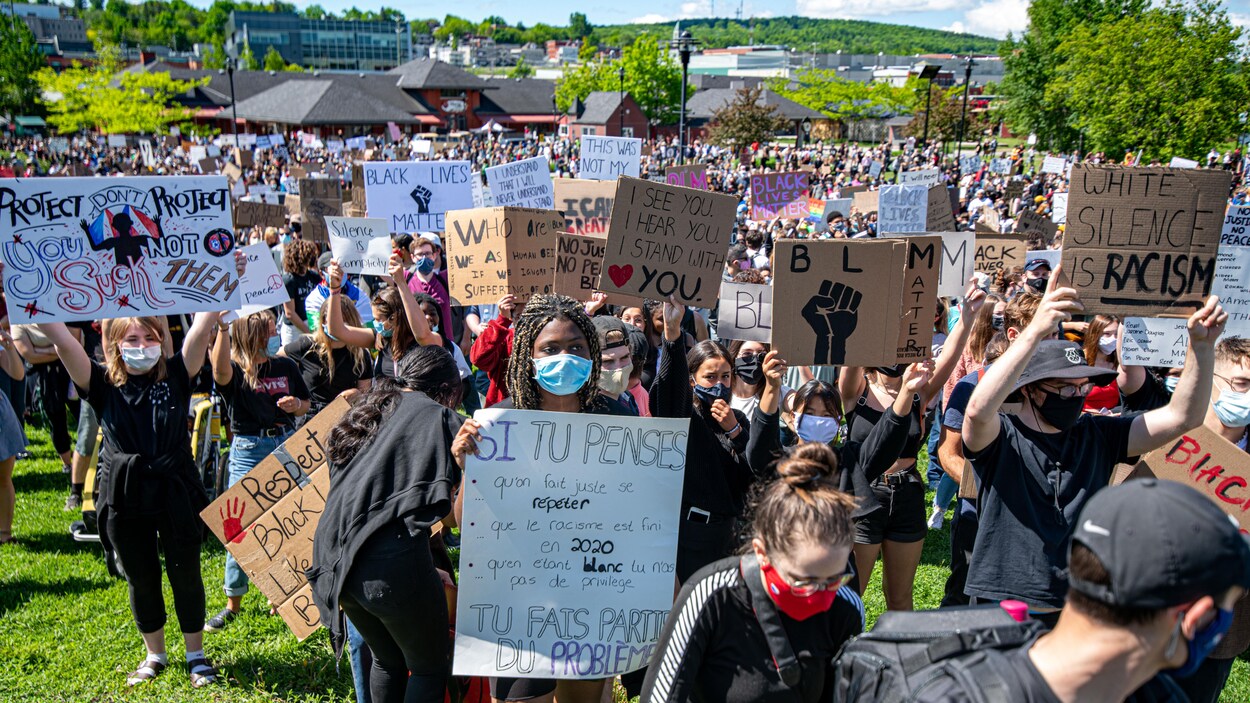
column 112, row 331
column 249, row 344
column 351, row 318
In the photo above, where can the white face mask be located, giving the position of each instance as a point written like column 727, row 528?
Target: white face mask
column 814, row 428
column 1107, row 343
column 141, row 359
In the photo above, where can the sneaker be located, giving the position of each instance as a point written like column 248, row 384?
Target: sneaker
column 935, row 520
column 73, row 502
column 218, row 622
column 24, row 455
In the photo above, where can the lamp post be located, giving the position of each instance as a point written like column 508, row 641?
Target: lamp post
column 555, row 119
column 684, row 45
column 620, row 73
column 963, row 115
column 398, row 33
column 927, row 73
column 234, row 113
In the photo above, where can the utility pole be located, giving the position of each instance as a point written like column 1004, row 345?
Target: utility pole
column 963, row 115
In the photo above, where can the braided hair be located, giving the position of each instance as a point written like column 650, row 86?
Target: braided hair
column 540, row 310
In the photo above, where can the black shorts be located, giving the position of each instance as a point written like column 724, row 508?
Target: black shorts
column 520, row 689
column 900, row 518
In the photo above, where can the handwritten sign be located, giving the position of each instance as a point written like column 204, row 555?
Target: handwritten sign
column 902, row 208
column 1154, row 341
column 689, row 176
column 569, row 544
column 90, row 249
column 261, row 286
column 267, row 519
column 414, row 196
column 258, row 214
column 1143, row 241
column 525, row 183
column 318, row 198
column 1232, row 285
column 1054, row 164
column 939, row 217
column 958, row 254
column 865, row 201
column 587, row 205
column 1030, row 221
column 1059, row 208
column 997, row 253
column 496, row 251
column 579, row 259
column 745, row 312
column 1001, row 166
column 969, row 164
column 360, row 244
column 779, row 195
column 922, row 177
column 1207, row 462
column 667, row 241
column 608, row 158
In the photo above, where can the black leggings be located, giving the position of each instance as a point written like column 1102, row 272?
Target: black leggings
column 54, row 389
column 395, row 599
column 139, row 543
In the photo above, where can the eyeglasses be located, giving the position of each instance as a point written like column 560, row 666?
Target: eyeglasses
column 1238, row 385
column 1069, row 392
column 807, row 588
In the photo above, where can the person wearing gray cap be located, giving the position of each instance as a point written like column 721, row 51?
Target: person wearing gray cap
column 1038, row 466
column 1155, row 570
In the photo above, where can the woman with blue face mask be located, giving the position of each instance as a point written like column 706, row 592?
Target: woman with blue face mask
column 264, row 394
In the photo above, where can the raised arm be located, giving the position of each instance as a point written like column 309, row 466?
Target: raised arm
column 219, row 356
column 850, row 385
column 71, row 353
column 670, row 391
column 953, row 350
column 338, row 328
column 1189, row 402
column 764, row 442
column 412, row 312
column 195, row 344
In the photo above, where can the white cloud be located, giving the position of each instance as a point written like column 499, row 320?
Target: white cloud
column 1239, row 19
column 854, row 9
column 997, row 17
column 956, row 26
column 652, row 18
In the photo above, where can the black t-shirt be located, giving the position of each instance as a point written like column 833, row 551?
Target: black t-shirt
column 299, row 288
column 713, row 648
column 322, row 387
column 1033, row 486
column 143, row 417
column 253, row 411
column 1151, row 395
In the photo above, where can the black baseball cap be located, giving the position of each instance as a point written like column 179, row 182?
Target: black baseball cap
column 1162, row 543
column 1061, row 360
column 1035, row 264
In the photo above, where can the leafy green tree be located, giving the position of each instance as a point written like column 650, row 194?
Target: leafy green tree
column 314, row 12
column 652, row 79
column 101, row 99
column 522, row 69
column 273, row 60
column 247, row 60
column 587, row 52
column 20, row 60
column 453, row 26
column 579, row 28
column 745, row 120
column 214, row 57
column 946, row 109
column 824, row 90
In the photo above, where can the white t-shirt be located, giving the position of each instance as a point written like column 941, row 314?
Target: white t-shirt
column 748, row 405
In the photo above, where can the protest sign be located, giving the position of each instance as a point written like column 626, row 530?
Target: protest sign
column 578, row 259
column 688, row 176
column 414, row 196
column 958, row 254
column 1178, row 162
column 587, row 205
column 267, row 519
column 923, row 177
column 360, row 244
column 607, row 158
column 1232, row 285
column 1143, row 241
column 939, row 215
column 999, row 253
column 261, row 286
column 496, row 251
column 865, row 201
column 969, row 164
column 667, row 240
column 989, row 221
column 254, row 214
column 1236, row 229
column 1030, row 221
column 318, row 198
column 849, row 294
column 92, row 249
column 779, row 195
column 1059, row 208
column 581, row 592
column 1015, row 189
column 1001, row 166
column 525, row 183
column 1154, row 341
column 920, row 291
column 902, row 208
column 1050, row 256
column 209, row 166
column 1054, row 164
column 840, row 206
column 745, row 312
column 874, row 169
column 1203, row 460
column 244, row 158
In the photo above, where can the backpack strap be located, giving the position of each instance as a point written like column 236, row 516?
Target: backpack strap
column 787, row 663
column 960, row 643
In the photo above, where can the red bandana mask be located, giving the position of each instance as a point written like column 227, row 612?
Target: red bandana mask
column 797, row 607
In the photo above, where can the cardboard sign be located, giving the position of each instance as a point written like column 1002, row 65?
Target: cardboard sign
column 253, row 214
column 568, row 547
column 313, row 212
column 902, row 209
column 1154, row 341
column 865, row 201
column 414, row 196
column 92, row 249
column 360, row 245
column 492, row 252
column 850, row 299
column 776, row 195
column 999, row 253
column 267, row 519
column 667, row 240
column 243, row 158
column 587, row 205
column 207, row 165
column 1206, row 461
column 745, row 312
column 1054, row 164
column 1030, row 221
column 261, row 286
column 923, row 177
column 1178, row 162
column 687, row 176
column 839, row 206
column 958, row 255
column 1059, row 208
column 608, row 158
column 1015, row 189
column 1143, row 241
column 578, row 259
column 939, row 215
column 1001, row 166
column 525, row 183
column 989, row 221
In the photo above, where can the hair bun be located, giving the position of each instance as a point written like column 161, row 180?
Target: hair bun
column 809, row 462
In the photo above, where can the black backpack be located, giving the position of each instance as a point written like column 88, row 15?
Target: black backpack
column 904, row 650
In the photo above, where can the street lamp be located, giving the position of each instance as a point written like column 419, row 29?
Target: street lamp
column 620, row 73
column 929, row 72
column 963, row 114
column 684, row 45
column 399, row 30
column 234, row 113
column 555, row 119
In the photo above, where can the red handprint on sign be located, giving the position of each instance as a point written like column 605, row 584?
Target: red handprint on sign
column 231, row 524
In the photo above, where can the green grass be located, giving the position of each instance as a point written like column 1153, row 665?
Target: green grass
column 66, row 633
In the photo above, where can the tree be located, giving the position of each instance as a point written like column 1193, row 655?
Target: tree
column 314, row 12
column 579, row 28
column 522, row 69
column 20, row 60
column 824, row 90
column 652, row 79
column 102, row 99
column 273, row 60
column 587, row 52
column 946, row 109
column 745, row 120
column 247, row 60
column 214, row 57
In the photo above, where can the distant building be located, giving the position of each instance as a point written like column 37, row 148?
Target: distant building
column 605, row 114
column 332, row 44
column 59, row 35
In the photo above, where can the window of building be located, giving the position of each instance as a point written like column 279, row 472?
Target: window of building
column 588, row 130
column 627, row 131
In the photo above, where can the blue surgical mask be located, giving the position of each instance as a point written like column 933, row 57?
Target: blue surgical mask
column 711, row 394
column 274, row 346
column 814, row 428
column 562, row 374
column 1170, row 383
column 1203, row 643
column 1232, row 408
column 381, row 329
column 425, row 266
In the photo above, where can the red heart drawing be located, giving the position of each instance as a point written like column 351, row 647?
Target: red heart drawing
column 620, row 275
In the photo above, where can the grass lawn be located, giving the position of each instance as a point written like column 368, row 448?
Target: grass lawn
column 66, row 633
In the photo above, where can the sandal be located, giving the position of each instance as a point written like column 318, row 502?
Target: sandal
column 148, row 670
column 202, row 673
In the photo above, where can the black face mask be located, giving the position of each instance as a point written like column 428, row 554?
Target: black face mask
column 748, row 371
column 895, row 371
column 1039, row 285
column 1061, row 412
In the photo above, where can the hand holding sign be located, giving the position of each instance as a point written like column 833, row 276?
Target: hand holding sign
column 465, row 442
column 1058, row 305
column 832, row 314
column 673, row 314
column 1206, row 325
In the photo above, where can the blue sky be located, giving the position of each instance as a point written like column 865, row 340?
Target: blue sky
column 986, row 17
